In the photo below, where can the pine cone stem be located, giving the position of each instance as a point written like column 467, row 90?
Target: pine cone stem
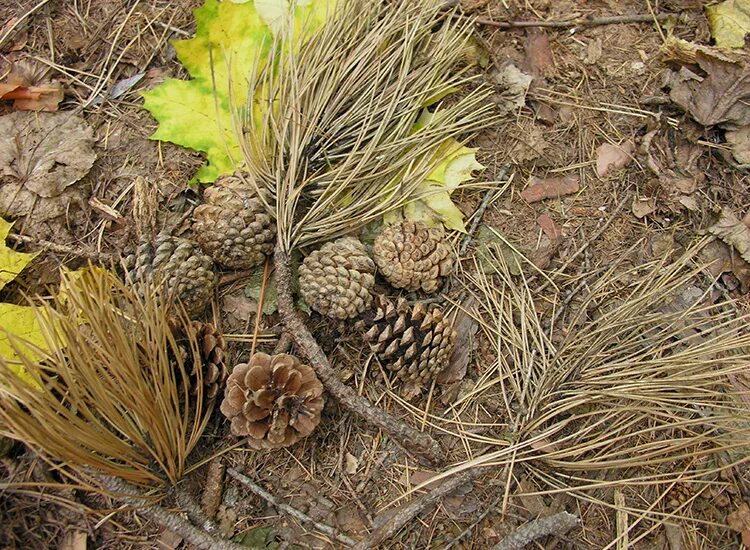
column 419, row 444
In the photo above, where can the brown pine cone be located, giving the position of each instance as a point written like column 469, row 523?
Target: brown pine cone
column 209, row 344
column 336, row 280
column 187, row 273
column 412, row 255
column 274, row 399
column 414, row 343
column 233, row 226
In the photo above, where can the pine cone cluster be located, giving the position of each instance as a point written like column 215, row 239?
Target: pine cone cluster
column 275, row 400
column 233, row 226
column 411, row 255
column 337, row 279
column 180, row 265
column 413, row 342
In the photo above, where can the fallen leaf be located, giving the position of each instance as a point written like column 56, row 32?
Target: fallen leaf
column 642, row 207
column 739, row 141
column 720, row 97
column 529, row 145
column 351, row 464
column 593, row 52
column 168, row 540
column 538, row 53
column 732, row 231
column 493, row 248
column 41, row 155
column 729, row 22
column 739, row 521
column 548, row 188
column 254, row 287
column 74, row 540
column 29, row 88
column 195, row 113
column 549, row 227
column 432, row 201
column 466, row 328
column 11, row 262
column 610, row 158
column 513, row 85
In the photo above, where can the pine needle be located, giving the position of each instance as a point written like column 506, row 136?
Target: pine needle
column 330, row 128
column 113, row 389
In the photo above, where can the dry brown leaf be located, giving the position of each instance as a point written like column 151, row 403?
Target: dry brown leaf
column 168, row 540
column 739, row 141
column 550, row 228
column 732, row 231
column 593, row 51
column 610, row 158
column 739, row 521
column 549, row 188
column 538, row 53
column 41, row 155
column 513, row 84
column 466, row 328
column 720, row 97
column 643, row 206
column 30, row 90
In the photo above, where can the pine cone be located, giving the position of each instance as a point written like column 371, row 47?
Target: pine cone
column 336, row 280
column 412, row 255
column 412, row 342
column 179, row 264
column 210, row 345
column 232, row 226
column 273, row 399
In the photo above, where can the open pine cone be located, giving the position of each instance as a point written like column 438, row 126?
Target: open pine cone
column 411, row 255
column 233, row 226
column 336, row 280
column 209, row 345
column 413, row 342
column 187, row 273
column 273, row 399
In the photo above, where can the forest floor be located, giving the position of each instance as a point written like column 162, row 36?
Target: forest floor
column 641, row 178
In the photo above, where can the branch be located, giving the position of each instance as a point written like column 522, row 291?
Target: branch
column 421, row 445
column 581, row 22
column 557, row 524
column 62, row 249
column 392, row 524
column 276, row 503
column 131, row 496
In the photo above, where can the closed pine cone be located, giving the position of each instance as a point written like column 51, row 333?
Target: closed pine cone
column 273, row 399
column 186, row 272
column 233, row 226
column 413, row 342
column 411, row 255
column 337, row 279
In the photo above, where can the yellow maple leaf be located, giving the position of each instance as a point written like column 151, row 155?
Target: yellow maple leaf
column 729, row 22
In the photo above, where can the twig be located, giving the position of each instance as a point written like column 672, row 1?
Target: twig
column 580, row 22
column 557, row 524
column 102, row 257
column 588, row 242
column 392, row 524
column 479, row 214
column 476, row 522
column 421, row 445
column 193, row 511
column 304, row 518
column 284, row 344
column 133, row 497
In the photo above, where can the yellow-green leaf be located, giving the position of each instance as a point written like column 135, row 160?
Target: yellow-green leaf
column 229, row 37
column 729, row 22
column 21, row 324
column 11, row 262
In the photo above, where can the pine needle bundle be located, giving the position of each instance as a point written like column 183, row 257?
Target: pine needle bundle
column 336, row 128
column 638, row 392
column 112, row 389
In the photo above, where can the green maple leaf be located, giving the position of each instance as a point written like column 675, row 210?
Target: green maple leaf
column 729, row 22
column 229, row 37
